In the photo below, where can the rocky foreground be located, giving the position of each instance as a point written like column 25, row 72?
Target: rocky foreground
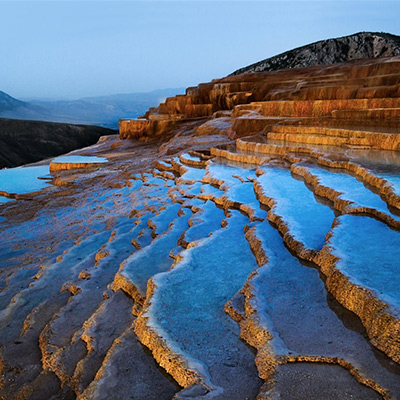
column 244, row 243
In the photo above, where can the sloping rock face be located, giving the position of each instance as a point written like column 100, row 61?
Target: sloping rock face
column 243, row 244
column 363, row 45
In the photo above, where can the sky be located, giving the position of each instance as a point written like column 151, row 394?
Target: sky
column 72, row 49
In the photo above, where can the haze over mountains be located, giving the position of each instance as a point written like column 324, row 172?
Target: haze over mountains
column 102, row 111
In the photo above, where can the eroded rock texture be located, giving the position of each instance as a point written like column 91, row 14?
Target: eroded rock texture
column 245, row 247
column 362, row 45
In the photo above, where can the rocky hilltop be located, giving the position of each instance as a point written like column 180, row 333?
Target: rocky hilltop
column 363, row 45
column 244, row 243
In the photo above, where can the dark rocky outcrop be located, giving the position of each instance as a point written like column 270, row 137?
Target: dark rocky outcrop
column 23, row 142
column 362, row 45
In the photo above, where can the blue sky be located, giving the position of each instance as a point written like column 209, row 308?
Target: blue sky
column 73, row 49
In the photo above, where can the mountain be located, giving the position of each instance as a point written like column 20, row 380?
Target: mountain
column 9, row 103
column 24, row 142
column 362, row 45
column 17, row 108
column 102, row 111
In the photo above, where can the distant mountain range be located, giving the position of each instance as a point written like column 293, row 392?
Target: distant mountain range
column 362, row 45
column 101, row 111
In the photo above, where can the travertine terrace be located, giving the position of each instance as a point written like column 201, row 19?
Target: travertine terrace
column 243, row 243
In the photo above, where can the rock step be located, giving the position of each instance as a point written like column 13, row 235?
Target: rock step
column 61, row 349
column 368, row 81
column 202, row 224
column 129, row 372
column 206, row 343
column 239, row 156
column 315, row 380
column 315, row 108
column 138, row 268
column 347, row 193
column 335, row 136
column 230, row 99
column 106, row 324
column 269, row 146
column 371, row 113
column 333, row 131
column 353, row 280
column 343, row 91
column 389, row 125
column 251, row 124
column 312, row 139
column 386, row 183
column 282, row 276
column 299, row 216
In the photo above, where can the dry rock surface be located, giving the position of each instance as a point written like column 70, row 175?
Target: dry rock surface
column 242, row 244
column 362, row 45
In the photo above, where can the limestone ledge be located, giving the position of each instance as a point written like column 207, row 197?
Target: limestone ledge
column 254, row 102
column 367, row 176
column 259, row 337
column 382, row 326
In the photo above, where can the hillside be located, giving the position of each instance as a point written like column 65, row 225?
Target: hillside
column 9, row 103
column 23, row 142
column 361, row 45
column 102, row 110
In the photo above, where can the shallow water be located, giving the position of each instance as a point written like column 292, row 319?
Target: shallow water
column 198, row 287
column 188, row 156
column 244, row 193
column 80, row 159
column 385, row 164
column 369, row 253
column 23, row 180
column 291, row 298
column 5, row 199
column 308, row 220
column 286, row 284
column 351, row 189
column 204, row 222
column 228, row 172
column 164, row 217
column 192, row 174
column 154, row 258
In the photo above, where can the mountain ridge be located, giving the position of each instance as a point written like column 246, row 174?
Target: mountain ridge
column 361, row 45
column 100, row 110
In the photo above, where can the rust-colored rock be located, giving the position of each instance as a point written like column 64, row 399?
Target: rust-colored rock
column 344, row 94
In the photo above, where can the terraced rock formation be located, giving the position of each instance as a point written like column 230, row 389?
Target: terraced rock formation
column 243, row 244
